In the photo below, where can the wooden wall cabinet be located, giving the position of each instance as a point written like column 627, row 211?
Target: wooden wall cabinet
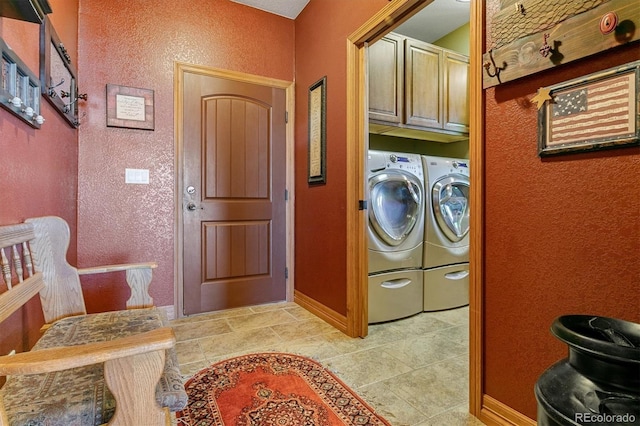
column 417, row 86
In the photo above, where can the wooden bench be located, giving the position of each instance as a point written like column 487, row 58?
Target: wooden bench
column 118, row 367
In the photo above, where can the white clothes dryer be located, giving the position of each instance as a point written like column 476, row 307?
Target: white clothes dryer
column 396, row 201
column 446, row 247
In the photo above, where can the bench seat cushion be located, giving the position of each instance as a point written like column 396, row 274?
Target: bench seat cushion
column 80, row 396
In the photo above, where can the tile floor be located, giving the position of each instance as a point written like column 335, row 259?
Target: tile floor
column 413, row 371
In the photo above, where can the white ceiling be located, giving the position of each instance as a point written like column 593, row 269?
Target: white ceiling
column 434, row 21
column 287, row 8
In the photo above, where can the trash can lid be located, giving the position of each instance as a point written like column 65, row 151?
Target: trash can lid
column 603, row 336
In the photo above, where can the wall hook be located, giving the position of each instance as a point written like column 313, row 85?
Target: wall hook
column 82, row 96
column 545, row 49
column 496, row 70
column 50, row 90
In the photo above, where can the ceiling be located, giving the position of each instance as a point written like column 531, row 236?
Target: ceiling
column 434, row 21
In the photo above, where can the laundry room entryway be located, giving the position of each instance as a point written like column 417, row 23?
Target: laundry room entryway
column 232, row 202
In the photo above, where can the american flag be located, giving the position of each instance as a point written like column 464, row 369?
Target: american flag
column 602, row 109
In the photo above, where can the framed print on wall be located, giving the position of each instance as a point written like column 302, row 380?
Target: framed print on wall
column 594, row 112
column 317, row 132
column 130, row 107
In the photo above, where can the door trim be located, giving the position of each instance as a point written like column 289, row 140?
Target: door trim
column 388, row 18
column 180, row 69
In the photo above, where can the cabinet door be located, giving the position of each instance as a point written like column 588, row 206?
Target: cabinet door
column 386, row 58
column 423, row 95
column 456, row 92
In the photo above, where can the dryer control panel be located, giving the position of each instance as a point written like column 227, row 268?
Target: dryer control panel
column 409, row 162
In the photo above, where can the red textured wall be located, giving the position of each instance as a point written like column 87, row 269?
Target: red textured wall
column 321, row 48
column 38, row 168
column 135, row 43
column 562, row 235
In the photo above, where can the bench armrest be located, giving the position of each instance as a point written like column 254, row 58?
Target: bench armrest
column 66, row 357
column 138, row 278
column 132, row 368
column 116, row 268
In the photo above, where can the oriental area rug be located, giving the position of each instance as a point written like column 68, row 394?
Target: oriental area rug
column 272, row 389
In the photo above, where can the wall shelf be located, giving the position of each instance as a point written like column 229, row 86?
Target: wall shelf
column 19, row 88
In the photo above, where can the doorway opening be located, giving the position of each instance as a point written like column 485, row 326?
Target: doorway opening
column 385, row 21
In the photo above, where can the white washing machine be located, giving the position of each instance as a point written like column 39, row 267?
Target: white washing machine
column 446, row 238
column 396, row 201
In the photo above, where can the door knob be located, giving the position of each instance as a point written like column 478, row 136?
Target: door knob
column 191, row 207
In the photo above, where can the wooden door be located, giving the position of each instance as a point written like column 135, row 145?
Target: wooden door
column 234, row 194
column 456, row 92
column 423, row 94
column 386, row 79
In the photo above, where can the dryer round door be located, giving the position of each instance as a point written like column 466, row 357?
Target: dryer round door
column 396, row 198
column 450, row 203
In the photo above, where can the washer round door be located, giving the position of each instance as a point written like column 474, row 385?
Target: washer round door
column 450, row 203
column 396, row 198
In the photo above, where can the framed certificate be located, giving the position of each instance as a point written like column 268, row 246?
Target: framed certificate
column 129, row 107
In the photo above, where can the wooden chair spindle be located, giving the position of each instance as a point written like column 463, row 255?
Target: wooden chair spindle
column 17, row 263
column 28, row 262
column 6, row 268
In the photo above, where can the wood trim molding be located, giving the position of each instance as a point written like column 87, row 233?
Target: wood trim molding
column 476, row 159
column 389, row 17
column 180, row 69
column 495, row 412
column 337, row 320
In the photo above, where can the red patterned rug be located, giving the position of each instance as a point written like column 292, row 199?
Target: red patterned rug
column 272, row 389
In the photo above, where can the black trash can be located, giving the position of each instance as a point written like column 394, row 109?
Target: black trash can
column 599, row 383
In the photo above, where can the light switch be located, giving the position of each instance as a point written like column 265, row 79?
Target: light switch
column 138, row 176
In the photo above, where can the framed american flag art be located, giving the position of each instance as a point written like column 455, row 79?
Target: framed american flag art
column 594, row 112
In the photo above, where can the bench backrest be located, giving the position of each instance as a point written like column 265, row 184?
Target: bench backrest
column 41, row 242
column 19, row 278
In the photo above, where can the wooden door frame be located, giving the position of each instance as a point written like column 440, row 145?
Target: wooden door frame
column 384, row 21
column 180, row 69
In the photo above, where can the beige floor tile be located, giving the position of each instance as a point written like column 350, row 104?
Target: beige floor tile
column 457, row 416
column 194, row 330
column 387, row 404
column 302, row 329
column 189, row 352
column 188, row 370
column 272, row 307
column 432, row 389
column 366, row 367
column 457, row 316
column 424, row 350
column 212, row 315
column 299, row 312
column 231, row 343
column 261, row 319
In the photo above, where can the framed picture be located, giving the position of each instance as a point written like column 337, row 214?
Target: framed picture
column 317, row 132
column 129, row 107
column 594, row 112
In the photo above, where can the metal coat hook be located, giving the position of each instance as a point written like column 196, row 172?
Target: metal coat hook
column 50, row 90
column 496, row 69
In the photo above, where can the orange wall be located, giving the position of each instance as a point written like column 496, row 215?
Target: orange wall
column 38, row 168
column 562, row 235
column 135, row 43
column 321, row 46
